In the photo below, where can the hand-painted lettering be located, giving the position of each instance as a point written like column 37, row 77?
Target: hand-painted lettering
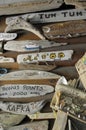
column 10, row 88
column 71, row 14
column 42, row 16
column 36, row 88
column 18, row 107
column 19, row 93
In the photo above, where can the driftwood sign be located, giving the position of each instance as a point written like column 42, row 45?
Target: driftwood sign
column 22, row 108
column 45, row 56
column 7, row 36
column 24, row 90
column 65, row 30
column 51, row 16
column 30, row 45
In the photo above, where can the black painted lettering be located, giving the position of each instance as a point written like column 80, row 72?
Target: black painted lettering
column 71, row 14
column 8, row 107
column 65, row 14
column 53, row 15
column 41, row 16
column 10, row 88
column 79, row 13
column 47, row 15
column 27, row 109
column 19, row 93
column 18, row 107
column 13, row 108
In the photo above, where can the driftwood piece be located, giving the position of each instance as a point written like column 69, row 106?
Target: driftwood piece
column 30, row 45
column 46, row 97
column 81, row 69
column 61, row 121
column 9, row 119
column 39, row 125
column 24, row 6
column 20, row 24
column 51, row 16
column 69, row 72
column 67, row 29
column 70, row 100
column 53, row 56
column 29, row 77
column 71, row 91
column 38, row 115
column 77, row 3
column 15, row 65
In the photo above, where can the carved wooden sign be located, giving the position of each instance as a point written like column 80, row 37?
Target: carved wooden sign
column 30, row 45
column 45, row 56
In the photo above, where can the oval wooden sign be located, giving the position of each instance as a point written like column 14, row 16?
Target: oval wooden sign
column 22, row 108
column 24, row 90
column 28, row 75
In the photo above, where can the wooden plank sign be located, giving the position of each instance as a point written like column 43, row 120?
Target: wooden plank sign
column 45, row 56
